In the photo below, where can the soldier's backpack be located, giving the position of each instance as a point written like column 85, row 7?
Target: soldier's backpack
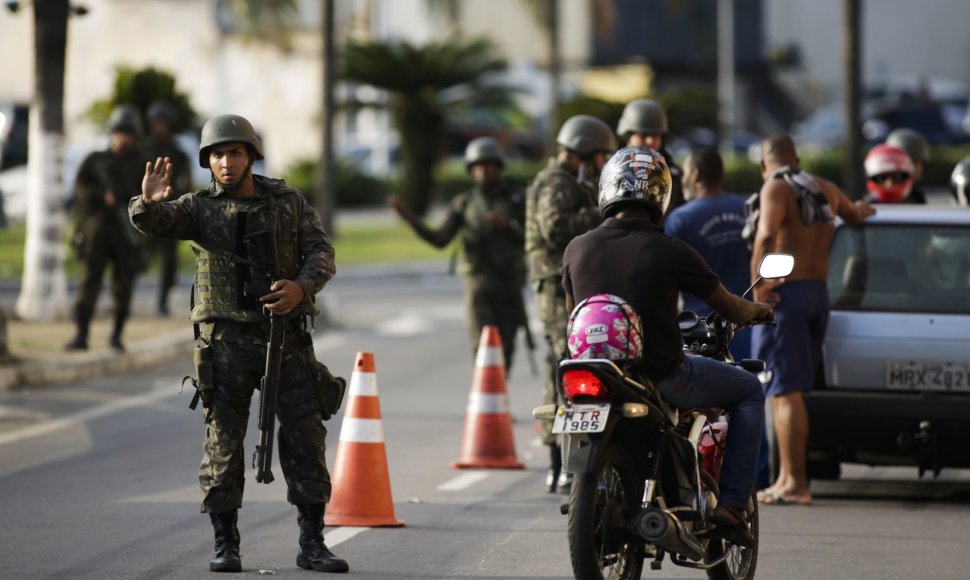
column 812, row 204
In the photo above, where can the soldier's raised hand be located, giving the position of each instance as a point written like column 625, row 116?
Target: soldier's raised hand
column 156, row 185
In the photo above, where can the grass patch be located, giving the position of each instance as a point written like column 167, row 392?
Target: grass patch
column 355, row 244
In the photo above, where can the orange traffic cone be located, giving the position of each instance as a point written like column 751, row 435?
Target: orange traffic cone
column 487, row 441
column 361, row 485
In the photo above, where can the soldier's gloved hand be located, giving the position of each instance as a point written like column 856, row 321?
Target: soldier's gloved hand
column 284, row 296
column 496, row 219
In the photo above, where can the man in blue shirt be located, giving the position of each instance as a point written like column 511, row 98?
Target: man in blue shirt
column 711, row 223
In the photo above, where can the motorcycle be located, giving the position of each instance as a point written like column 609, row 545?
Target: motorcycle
column 645, row 475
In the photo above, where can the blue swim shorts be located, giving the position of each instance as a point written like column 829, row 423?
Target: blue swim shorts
column 792, row 350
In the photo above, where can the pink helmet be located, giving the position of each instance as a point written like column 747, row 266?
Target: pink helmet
column 604, row 326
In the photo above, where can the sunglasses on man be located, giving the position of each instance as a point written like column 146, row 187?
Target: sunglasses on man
column 894, row 176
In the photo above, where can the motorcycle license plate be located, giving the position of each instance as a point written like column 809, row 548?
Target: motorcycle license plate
column 581, row 419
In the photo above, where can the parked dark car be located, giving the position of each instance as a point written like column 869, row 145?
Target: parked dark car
column 896, row 355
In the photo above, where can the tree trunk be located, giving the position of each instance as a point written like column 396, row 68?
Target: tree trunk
column 43, row 293
column 422, row 132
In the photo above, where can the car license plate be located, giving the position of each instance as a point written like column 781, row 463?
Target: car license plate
column 928, row 376
column 581, row 419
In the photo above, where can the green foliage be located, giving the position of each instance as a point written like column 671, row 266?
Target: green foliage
column 353, row 188
column 453, row 178
column 690, row 106
column 425, row 82
column 141, row 87
column 743, row 176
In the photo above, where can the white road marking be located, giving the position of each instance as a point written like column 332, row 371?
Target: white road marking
column 340, row 535
column 109, row 408
column 464, row 481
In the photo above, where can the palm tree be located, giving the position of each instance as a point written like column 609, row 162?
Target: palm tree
column 425, row 82
column 43, row 290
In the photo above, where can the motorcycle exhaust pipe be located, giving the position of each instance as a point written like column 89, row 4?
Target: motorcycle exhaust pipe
column 662, row 529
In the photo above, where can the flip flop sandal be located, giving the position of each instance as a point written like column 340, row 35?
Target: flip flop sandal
column 779, row 499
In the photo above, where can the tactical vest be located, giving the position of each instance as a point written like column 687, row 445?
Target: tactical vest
column 486, row 250
column 233, row 266
column 544, row 255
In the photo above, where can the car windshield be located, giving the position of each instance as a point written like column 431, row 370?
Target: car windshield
column 901, row 268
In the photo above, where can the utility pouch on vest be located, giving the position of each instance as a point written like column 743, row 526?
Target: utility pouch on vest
column 203, row 383
column 328, row 388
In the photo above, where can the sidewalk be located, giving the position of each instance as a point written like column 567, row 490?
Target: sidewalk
column 37, row 348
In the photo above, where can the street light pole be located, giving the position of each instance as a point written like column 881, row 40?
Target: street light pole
column 725, row 73
column 326, row 190
column 851, row 57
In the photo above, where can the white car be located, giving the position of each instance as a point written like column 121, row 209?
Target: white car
column 897, row 351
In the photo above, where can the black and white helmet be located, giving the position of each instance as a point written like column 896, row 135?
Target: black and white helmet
column 635, row 176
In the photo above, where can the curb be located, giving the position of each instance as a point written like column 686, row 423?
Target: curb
column 90, row 365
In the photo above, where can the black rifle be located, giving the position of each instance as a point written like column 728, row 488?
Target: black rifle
column 529, row 340
column 269, row 385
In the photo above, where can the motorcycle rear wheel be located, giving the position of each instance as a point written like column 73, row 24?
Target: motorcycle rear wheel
column 741, row 562
column 599, row 503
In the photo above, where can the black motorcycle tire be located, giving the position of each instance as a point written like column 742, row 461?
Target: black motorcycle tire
column 742, row 562
column 598, row 503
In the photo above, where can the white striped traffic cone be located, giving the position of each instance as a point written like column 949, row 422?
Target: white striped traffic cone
column 361, row 485
column 487, row 441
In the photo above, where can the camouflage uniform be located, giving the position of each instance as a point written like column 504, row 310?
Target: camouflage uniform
column 558, row 208
column 167, row 249
column 494, row 260
column 103, row 234
column 233, row 325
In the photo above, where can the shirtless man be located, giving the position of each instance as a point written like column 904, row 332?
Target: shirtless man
column 793, row 348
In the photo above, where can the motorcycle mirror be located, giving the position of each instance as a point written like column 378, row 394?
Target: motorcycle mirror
column 776, row 266
column 773, row 266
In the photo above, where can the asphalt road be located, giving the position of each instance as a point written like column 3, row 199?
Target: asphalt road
column 98, row 480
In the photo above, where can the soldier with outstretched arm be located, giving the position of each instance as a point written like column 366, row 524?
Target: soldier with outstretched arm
column 234, row 226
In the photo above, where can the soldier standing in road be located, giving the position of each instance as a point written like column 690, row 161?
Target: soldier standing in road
column 560, row 205
column 644, row 124
column 103, row 236
column 236, row 225
column 162, row 120
column 491, row 218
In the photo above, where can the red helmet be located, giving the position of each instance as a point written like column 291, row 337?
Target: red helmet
column 890, row 173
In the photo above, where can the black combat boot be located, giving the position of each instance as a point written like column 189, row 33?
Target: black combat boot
column 314, row 554
column 116, row 332
column 555, row 467
column 80, row 341
column 227, row 543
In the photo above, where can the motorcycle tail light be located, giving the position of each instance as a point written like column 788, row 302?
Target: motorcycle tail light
column 580, row 383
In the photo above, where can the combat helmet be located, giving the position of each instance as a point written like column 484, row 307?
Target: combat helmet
column 635, row 176
column 125, row 118
column 228, row 129
column 642, row 116
column 911, row 142
column 162, row 111
column 484, row 149
column 586, row 135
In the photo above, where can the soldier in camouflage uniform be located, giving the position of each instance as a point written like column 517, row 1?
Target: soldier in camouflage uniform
column 491, row 219
column 162, row 120
column 560, row 205
column 232, row 226
column 105, row 182
column 644, row 124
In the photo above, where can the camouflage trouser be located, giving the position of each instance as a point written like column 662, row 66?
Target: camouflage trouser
column 551, row 305
column 239, row 359
column 103, row 245
column 496, row 304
